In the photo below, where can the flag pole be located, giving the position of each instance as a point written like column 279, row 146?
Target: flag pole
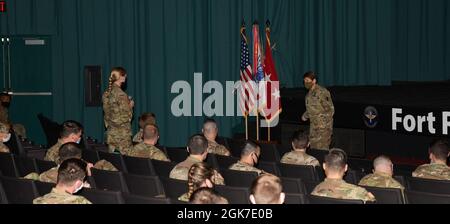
column 246, row 127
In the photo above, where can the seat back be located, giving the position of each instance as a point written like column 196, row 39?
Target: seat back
column 137, row 199
column 97, row 196
column 149, row 186
column 238, row 178
column 162, row 168
column 19, row 191
column 43, row 165
column 306, row 173
column 3, row 198
column 234, row 195
column 293, row 185
column 310, row 185
column 115, row 159
column 270, row 167
column 109, row 180
column 43, row 187
column 8, row 165
column 178, row 154
column 50, row 128
column 416, row 197
column 139, row 166
column 90, row 155
column 226, row 161
column 25, row 165
column 269, row 153
column 295, row 199
column 353, row 176
column 386, row 195
column 427, row 185
column 15, row 144
column 324, row 200
column 174, row 188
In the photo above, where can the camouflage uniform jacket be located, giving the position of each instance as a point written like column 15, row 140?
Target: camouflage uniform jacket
column 216, row 148
column 144, row 150
column 4, row 115
column 341, row 190
column 138, row 136
column 181, row 170
column 240, row 166
column 433, row 171
column 60, row 197
column 299, row 158
column 319, row 104
column 379, row 179
column 4, row 148
column 184, row 197
column 53, row 152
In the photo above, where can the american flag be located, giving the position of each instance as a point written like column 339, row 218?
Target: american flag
column 246, row 95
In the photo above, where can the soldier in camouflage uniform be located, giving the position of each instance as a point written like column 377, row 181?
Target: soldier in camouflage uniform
column 147, row 148
column 300, row 142
column 5, row 101
column 207, row 196
column 210, row 132
column 71, row 174
column 144, row 119
column 118, row 113
column 382, row 175
column 334, row 186
column 197, row 148
column 267, row 189
column 69, row 151
column 320, row 111
column 4, row 137
column 71, row 132
column 200, row 175
column 249, row 158
column 437, row 169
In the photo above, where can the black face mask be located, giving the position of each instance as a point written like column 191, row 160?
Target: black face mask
column 6, row 104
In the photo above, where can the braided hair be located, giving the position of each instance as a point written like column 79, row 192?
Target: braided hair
column 198, row 174
column 116, row 73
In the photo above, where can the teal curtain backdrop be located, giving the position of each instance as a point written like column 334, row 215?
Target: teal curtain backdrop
column 350, row 42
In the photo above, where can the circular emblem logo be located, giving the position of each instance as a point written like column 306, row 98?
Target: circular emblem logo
column 370, row 117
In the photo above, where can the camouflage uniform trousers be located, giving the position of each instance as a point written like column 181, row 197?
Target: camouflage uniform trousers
column 320, row 132
column 119, row 139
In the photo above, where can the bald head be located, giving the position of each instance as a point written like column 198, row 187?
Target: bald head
column 383, row 164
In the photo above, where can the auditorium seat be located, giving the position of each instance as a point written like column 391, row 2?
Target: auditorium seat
column 174, row 188
column 178, row 154
column 97, row 196
column 163, row 168
column 25, row 165
column 269, row 153
column 43, row 187
column 8, row 165
column 212, row 161
column 310, row 185
column 236, row 147
column 386, row 195
column 318, row 154
column 324, row 200
column 270, row 167
column 363, row 165
column 137, row 199
column 139, row 166
column 401, row 180
column 90, row 156
column 238, row 178
column 430, row 186
column 43, row 165
column 295, row 199
column 293, row 185
column 306, row 173
column 148, row 186
column 3, row 199
column 109, row 180
column 353, row 176
column 114, row 158
column 223, row 141
column 416, row 197
column 404, row 170
column 226, row 161
column 19, row 191
column 234, row 195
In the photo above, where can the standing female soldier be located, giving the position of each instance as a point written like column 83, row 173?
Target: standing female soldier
column 320, row 111
column 118, row 112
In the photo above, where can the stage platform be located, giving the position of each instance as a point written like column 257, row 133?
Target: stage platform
column 386, row 132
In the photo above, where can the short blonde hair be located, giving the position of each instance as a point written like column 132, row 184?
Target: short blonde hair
column 267, row 189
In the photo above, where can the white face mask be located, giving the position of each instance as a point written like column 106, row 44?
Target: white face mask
column 78, row 189
column 78, row 141
column 7, row 138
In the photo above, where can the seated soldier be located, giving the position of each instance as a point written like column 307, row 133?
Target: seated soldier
column 249, row 158
column 147, row 148
column 200, row 175
column 335, row 166
column 197, row 148
column 69, row 151
column 382, row 175
column 4, row 136
column 267, row 189
column 71, row 174
column 298, row 156
column 210, row 132
column 5, row 102
column 437, row 169
column 71, row 132
column 144, row 119
column 207, row 196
